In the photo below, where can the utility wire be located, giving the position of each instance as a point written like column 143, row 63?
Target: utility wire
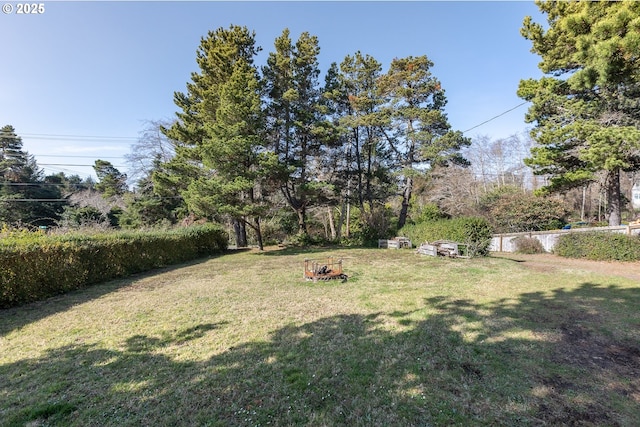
column 65, row 200
column 495, row 117
column 31, row 184
column 76, row 157
column 69, row 164
column 51, row 136
column 71, row 171
column 33, row 200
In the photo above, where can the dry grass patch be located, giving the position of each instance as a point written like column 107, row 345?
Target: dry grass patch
column 241, row 339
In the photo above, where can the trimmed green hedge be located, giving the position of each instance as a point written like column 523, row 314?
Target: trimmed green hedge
column 474, row 232
column 598, row 246
column 33, row 267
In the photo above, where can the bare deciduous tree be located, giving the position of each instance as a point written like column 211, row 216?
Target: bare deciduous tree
column 152, row 146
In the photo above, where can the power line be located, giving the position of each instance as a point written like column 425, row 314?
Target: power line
column 66, row 200
column 69, row 164
column 39, row 184
column 33, row 200
column 72, row 138
column 76, row 136
column 77, row 157
column 63, row 170
column 495, row 117
column 51, row 136
column 30, row 184
column 92, row 137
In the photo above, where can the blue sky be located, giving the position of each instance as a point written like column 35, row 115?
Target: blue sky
column 79, row 81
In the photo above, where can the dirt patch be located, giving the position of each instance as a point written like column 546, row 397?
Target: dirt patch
column 586, row 361
column 551, row 263
column 606, row 364
column 616, row 365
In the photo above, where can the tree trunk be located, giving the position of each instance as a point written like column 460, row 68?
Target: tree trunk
column 341, row 219
column 614, row 209
column 302, row 220
column 348, row 219
column 332, row 226
column 258, row 231
column 369, row 195
column 584, row 202
column 241, row 233
column 406, row 197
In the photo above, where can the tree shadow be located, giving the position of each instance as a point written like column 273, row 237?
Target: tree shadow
column 565, row 358
column 17, row 317
column 585, row 342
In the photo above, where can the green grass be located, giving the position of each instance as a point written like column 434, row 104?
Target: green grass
column 243, row 340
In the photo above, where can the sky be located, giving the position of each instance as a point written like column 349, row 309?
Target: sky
column 81, row 80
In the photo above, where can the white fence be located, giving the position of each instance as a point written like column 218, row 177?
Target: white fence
column 505, row 242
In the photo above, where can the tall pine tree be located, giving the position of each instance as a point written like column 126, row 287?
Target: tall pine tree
column 370, row 181
column 295, row 121
column 586, row 109
column 217, row 57
column 13, row 160
column 234, row 151
column 421, row 137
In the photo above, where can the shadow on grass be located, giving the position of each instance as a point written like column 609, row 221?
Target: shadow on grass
column 17, row 317
column 561, row 359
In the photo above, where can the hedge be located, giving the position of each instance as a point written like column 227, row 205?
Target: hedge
column 598, row 246
column 474, row 232
column 34, row 267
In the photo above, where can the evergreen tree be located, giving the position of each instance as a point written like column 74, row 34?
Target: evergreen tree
column 421, row 136
column 367, row 149
column 24, row 197
column 216, row 57
column 234, row 151
column 69, row 184
column 144, row 208
column 14, row 162
column 334, row 167
column 111, row 182
column 295, row 120
column 587, row 109
column 368, row 174
column 152, row 203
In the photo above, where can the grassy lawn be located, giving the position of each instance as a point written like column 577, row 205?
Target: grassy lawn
column 408, row 340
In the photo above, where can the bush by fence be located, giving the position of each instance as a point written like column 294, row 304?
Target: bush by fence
column 528, row 245
column 599, row 246
column 474, row 232
column 34, row 267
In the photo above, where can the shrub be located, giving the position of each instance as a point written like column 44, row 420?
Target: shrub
column 474, row 232
column 367, row 226
column 303, row 240
column 511, row 212
column 599, row 246
column 37, row 266
column 82, row 216
column 272, row 232
column 528, row 245
column 428, row 213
